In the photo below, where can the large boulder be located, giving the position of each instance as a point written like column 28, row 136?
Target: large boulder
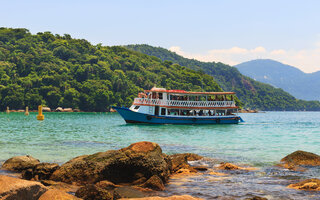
column 53, row 194
column 301, row 158
column 18, row 189
column 142, row 159
column 20, row 163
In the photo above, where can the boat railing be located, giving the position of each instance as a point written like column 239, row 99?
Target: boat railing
column 179, row 103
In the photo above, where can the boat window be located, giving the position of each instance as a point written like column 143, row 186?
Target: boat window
column 160, row 95
column 136, row 107
column 163, row 111
column 156, row 110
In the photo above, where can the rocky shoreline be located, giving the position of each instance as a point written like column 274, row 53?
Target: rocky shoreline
column 137, row 171
column 59, row 109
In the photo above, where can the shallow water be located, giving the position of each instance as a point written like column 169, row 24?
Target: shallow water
column 261, row 141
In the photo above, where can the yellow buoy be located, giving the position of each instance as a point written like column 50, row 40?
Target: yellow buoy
column 40, row 115
column 27, row 111
column 7, row 111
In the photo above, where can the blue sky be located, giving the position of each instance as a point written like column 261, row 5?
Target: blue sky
column 229, row 31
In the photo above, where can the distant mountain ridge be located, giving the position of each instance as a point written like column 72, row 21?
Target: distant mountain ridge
column 290, row 79
column 253, row 94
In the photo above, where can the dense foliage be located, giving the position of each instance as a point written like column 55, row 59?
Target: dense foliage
column 253, row 94
column 55, row 70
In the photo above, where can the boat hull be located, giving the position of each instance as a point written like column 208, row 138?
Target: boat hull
column 135, row 117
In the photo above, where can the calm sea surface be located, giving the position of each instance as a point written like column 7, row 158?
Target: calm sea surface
column 261, row 141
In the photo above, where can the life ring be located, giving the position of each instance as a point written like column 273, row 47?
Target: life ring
column 149, row 117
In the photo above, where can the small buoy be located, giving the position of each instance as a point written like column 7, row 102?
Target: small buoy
column 7, row 111
column 40, row 116
column 27, row 111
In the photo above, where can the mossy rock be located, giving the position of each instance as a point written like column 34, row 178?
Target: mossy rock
column 142, row 159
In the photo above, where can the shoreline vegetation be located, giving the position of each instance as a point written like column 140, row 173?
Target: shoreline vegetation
column 136, row 171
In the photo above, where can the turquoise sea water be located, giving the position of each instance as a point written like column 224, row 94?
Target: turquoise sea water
column 261, row 141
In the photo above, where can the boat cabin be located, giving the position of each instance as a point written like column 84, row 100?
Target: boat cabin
column 162, row 102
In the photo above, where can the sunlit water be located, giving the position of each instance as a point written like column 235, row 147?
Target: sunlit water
column 261, row 142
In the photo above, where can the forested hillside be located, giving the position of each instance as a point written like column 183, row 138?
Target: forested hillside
column 253, row 94
column 55, row 70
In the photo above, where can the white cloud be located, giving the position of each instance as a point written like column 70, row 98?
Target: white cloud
column 278, row 52
column 258, row 50
column 233, row 50
column 307, row 60
column 176, row 49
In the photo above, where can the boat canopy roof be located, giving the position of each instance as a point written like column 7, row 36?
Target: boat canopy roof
column 187, row 92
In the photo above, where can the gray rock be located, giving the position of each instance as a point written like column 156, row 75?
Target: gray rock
column 67, row 110
column 59, row 109
column 46, row 109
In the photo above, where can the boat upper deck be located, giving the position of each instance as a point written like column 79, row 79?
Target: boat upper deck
column 185, row 104
column 185, row 100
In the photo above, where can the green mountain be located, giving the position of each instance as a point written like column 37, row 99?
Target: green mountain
column 55, row 70
column 299, row 84
column 253, row 94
